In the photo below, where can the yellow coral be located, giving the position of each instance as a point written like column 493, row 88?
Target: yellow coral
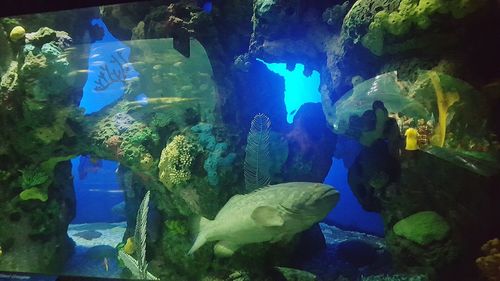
column 129, row 247
column 17, row 33
column 411, row 135
column 490, row 263
column 176, row 160
column 146, row 161
column 444, row 102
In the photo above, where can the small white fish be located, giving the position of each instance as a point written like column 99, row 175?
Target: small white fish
column 106, row 264
column 94, row 56
column 98, row 63
column 178, row 64
column 186, row 88
column 203, row 87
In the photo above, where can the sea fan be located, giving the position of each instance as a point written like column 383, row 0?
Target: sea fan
column 133, row 266
column 257, row 159
column 140, row 234
column 139, row 267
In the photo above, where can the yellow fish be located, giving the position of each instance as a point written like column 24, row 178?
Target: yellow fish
column 129, row 247
column 1, row 253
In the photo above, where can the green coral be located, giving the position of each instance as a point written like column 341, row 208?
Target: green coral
column 422, row 228
column 42, row 36
column 34, row 193
column 55, row 132
column 32, row 178
column 9, row 81
column 121, row 136
column 176, row 161
column 412, row 13
column 176, row 227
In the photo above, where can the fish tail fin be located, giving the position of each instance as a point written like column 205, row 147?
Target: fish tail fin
column 200, row 226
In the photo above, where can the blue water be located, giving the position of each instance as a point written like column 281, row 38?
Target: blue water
column 348, row 214
column 112, row 54
column 97, row 193
column 299, row 89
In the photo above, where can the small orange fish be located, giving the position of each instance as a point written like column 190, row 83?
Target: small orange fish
column 106, row 264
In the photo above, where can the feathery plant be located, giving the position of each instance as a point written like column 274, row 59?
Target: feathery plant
column 139, row 266
column 257, row 159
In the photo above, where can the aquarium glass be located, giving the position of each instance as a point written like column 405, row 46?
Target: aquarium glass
column 258, row 140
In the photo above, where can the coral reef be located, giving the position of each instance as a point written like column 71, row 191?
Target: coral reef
column 490, row 263
column 422, row 228
column 396, row 63
column 176, row 160
column 120, row 136
column 218, row 156
column 17, row 33
column 410, row 13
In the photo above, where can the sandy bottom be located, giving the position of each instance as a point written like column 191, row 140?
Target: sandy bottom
column 95, row 251
column 110, row 234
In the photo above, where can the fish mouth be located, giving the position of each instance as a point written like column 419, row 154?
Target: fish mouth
column 329, row 192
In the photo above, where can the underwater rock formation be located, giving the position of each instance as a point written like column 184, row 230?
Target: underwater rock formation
column 386, row 67
column 37, row 112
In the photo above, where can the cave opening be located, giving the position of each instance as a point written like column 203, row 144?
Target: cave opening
column 100, row 220
column 348, row 214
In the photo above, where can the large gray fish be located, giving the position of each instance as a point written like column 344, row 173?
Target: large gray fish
column 273, row 213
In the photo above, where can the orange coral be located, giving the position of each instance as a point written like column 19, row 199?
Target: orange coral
column 490, row 263
column 113, row 144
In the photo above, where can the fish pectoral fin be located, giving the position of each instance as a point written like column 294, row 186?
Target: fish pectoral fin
column 225, row 248
column 267, row 216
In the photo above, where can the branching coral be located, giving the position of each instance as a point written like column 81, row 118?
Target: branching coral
column 176, row 160
column 444, row 102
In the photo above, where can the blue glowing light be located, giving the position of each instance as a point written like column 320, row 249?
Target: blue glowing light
column 207, row 7
column 299, row 89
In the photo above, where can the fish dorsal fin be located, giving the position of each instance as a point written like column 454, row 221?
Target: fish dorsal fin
column 267, row 216
column 234, row 199
column 228, row 207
